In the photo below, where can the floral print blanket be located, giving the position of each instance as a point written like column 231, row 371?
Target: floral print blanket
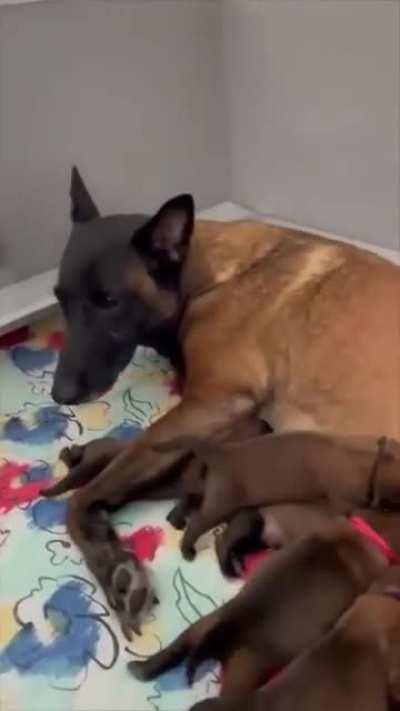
column 60, row 647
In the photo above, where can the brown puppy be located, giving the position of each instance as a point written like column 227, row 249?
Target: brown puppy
column 294, row 467
column 269, row 527
column 288, row 603
column 277, row 526
column 355, row 666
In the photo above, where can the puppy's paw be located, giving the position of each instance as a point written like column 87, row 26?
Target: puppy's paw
column 139, row 670
column 71, row 456
column 188, row 552
column 176, row 518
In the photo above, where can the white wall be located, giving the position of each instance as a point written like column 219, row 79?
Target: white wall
column 313, row 97
column 288, row 106
column 130, row 91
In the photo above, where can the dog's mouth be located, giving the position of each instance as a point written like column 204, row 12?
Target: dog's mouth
column 62, row 398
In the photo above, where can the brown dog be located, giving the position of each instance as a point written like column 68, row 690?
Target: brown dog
column 294, row 467
column 271, row 323
column 277, row 526
column 356, row 666
column 289, row 602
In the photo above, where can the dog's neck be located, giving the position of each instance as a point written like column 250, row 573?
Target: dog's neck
column 220, row 251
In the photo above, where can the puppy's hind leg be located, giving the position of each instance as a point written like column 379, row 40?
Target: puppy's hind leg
column 219, row 504
column 243, row 534
column 176, row 652
column 244, row 671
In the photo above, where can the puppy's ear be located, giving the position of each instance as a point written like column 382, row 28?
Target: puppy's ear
column 164, row 240
column 83, row 208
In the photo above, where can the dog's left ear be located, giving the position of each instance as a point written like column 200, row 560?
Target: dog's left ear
column 165, row 238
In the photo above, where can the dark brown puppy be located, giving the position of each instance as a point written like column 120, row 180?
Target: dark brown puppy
column 277, row 526
column 295, row 467
column 288, row 603
column 355, row 666
column 269, row 527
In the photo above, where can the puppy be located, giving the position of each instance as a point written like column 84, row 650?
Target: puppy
column 296, row 467
column 286, row 605
column 269, row 527
column 277, row 526
column 355, row 666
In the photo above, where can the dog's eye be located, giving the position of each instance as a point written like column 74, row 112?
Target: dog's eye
column 105, row 300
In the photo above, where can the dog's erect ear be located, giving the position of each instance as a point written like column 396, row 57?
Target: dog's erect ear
column 165, row 238
column 83, row 208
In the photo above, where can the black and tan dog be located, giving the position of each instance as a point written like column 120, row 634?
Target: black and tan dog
column 286, row 605
column 356, row 666
column 264, row 322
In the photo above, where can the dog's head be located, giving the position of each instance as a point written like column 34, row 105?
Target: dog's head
column 118, row 288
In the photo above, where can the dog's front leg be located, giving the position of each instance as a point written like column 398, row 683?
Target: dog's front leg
column 135, row 469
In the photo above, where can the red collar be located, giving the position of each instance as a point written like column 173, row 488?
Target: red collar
column 365, row 529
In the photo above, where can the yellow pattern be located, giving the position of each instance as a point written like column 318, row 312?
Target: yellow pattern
column 8, row 625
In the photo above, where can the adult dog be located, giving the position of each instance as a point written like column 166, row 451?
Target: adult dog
column 264, row 322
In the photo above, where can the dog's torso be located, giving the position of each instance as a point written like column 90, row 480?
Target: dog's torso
column 307, row 327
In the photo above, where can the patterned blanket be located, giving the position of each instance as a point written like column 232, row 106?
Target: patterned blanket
column 60, row 646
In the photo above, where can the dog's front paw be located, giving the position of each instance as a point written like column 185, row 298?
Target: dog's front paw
column 128, row 593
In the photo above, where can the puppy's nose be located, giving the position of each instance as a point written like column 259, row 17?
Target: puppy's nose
column 66, row 392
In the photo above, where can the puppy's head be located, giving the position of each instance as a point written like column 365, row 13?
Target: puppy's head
column 118, row 288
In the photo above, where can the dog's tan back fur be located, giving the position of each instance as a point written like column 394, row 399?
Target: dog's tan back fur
column 308, row 326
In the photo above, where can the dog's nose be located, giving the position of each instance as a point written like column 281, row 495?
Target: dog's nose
column 66, row 392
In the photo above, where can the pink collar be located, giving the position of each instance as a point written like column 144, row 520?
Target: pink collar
column 365, row 529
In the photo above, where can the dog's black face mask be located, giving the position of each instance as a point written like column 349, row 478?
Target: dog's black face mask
column 118, row 288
